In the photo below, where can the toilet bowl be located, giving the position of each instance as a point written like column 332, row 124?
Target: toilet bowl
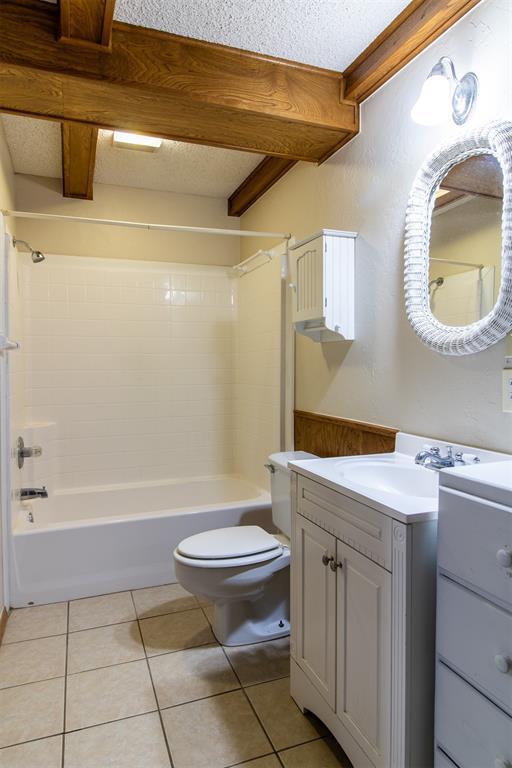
column 244, row 571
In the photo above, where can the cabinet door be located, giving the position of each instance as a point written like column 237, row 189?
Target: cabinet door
column 308, row 274
column 314, row 585
column 364, row 651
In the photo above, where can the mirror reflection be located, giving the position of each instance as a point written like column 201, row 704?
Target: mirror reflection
column 465, row 244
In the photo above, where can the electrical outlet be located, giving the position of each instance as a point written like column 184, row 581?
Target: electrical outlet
column 507, row 390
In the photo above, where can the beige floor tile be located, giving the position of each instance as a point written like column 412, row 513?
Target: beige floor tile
column 32, row 660
column 214, row 733
column 157, row 601
column 208, row 612
column 44, row 753
column 99, row 611
column 37, row 621
column 175, row 632
column 270, row 761
column 134, row 743
column 281, row 717
column 192, row 674
column 203, row 601
column 104, row 646
column 261, row 662
column 31, row 711
column 108, row 694
column 322, row 753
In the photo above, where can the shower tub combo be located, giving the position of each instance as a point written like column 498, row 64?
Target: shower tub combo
column 90, row 541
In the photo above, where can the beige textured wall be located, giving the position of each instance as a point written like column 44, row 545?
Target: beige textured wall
column 36, row 193
column 6, row 201
column 386, row 375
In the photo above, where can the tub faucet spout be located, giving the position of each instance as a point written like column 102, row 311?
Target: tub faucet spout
column 33, row 493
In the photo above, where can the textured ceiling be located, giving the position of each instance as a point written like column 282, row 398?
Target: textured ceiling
column 176, row 167
column 326, row 33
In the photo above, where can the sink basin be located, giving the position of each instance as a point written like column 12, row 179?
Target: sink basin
column 406, row 479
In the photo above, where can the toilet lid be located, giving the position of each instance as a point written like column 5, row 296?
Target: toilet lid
column 242, row 541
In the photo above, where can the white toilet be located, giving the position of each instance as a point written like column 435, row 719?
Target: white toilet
column 244, row 570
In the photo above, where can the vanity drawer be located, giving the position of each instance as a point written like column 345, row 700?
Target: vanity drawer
column 471, row 532
column 359, row 526
column 471, row 633
column 469, row 728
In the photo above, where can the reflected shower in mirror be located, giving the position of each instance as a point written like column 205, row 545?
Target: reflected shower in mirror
column 465, row 243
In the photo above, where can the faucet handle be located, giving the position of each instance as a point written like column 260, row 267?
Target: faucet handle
column 435, row 450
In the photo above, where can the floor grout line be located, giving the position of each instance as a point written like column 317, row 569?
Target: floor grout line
column 154, row 690
column 63, row 743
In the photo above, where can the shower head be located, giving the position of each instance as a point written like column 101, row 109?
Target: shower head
column 36, row 256
column 437, row 281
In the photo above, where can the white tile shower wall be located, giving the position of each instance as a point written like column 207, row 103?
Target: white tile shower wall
column 258, row 371
column 132, row 362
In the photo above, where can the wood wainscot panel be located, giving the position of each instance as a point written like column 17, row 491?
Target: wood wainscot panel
column 332, row 436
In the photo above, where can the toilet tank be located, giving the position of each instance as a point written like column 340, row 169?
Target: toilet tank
column 280, row 487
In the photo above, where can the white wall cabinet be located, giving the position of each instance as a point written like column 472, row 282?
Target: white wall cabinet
column 363, row 607
column 322, row 270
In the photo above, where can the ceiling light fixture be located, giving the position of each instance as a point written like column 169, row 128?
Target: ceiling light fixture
column 127, row 140
column 443, row 94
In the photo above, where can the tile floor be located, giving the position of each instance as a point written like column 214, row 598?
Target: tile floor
column 137, row 680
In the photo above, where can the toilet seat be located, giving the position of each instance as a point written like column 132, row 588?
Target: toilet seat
column 228, row 547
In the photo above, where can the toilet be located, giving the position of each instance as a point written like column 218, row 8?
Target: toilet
column 244, row 570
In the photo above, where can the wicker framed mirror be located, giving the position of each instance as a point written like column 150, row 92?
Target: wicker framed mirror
column 488, row 147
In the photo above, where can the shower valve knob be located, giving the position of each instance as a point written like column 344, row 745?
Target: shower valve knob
column 26, row 452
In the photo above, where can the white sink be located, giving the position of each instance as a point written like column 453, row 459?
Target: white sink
column 391, row 476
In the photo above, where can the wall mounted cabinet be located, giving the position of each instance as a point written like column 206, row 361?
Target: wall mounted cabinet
column 363, row 608
column 322, row 269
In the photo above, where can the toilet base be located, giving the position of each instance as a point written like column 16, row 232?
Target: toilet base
column 243, row 623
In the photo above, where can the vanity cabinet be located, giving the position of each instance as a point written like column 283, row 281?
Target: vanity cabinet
column 363, row 612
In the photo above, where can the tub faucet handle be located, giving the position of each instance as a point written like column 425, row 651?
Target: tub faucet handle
column 26, row 452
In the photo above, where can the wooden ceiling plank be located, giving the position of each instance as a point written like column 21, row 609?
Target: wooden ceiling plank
column 170, row 86
column 78, row 159
column 419, row 24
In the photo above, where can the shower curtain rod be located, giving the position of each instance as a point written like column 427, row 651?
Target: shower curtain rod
column 454, row 261
column 144, row 225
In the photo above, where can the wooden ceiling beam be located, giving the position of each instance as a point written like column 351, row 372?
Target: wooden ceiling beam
column 413, row 30
column 170, row 86
column 82, row 23
column 78, row 159
column 87, row 22
column 419, row 24
column 256, row 184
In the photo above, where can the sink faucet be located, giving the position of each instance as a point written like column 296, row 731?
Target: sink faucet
column 431, row 458
column 33, row 493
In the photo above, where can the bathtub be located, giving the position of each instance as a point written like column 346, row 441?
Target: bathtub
column 91, row 541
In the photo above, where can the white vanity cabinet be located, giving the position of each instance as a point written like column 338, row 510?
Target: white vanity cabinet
column 363, row 612
column 474, row 619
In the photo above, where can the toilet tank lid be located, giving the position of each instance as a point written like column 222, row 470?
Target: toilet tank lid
column 222, row 543
column 281, row 459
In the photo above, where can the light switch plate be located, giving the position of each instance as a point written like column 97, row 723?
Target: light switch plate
column 507, row 390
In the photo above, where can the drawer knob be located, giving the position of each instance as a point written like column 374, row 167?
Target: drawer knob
column 503, row 663
column 504, row 558
column 326, row 559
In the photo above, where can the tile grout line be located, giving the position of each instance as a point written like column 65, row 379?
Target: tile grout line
column 152, row 684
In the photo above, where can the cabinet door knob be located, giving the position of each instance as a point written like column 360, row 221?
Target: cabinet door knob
column 503, row 663
column 334, row 566
column 326, row 559
column 504, row 558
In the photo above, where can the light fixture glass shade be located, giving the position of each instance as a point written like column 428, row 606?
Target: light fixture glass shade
column 434, row 102
column 136, row 141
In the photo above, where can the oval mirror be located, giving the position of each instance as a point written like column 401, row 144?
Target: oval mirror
column 458, row 243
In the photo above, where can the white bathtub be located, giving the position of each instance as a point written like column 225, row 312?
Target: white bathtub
column 96, row 540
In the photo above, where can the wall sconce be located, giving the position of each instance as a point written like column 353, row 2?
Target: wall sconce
column 442, row 93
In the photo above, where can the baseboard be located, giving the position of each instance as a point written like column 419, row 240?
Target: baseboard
column 3, row 622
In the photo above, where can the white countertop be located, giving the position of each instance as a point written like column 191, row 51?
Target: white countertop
column 494, row 471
